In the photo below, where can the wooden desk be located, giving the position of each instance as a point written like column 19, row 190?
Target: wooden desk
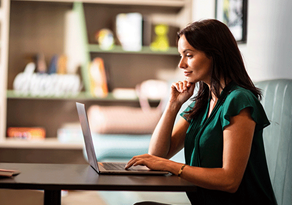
column 52, row 178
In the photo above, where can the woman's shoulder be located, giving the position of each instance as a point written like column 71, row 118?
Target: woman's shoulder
column 240, row 98
column 241, row 94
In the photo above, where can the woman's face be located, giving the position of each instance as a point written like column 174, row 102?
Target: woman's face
column 195, row 64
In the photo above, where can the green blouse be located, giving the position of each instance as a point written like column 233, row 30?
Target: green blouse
column 204, row 148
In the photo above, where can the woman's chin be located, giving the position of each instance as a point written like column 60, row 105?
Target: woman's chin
column 190, row 80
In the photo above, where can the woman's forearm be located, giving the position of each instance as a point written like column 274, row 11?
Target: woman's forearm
column 161, row 139
column 208, row 178
column 212, row 178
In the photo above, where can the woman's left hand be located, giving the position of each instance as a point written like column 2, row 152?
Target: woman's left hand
column 151, row 161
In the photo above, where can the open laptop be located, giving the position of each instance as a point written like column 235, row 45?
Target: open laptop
column 106, row 167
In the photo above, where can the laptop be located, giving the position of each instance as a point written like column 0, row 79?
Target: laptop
column 106, row 167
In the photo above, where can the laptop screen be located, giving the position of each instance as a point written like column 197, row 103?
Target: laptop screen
column 87, row 135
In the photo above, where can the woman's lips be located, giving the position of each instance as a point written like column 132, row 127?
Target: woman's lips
column 187, row 73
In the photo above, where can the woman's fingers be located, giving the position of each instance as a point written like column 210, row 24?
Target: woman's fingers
column 130, row 163
column 182, row 86
column 150, row 161
column 137, row 160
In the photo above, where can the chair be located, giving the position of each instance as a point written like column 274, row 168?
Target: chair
column 277, row 101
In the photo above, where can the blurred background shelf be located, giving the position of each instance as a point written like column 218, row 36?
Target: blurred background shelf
column 41, row 26
column 50, row 143
column 11, row 94
column 167, row 3
column 144, row 50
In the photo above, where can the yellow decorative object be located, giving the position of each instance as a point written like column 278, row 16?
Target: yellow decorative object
column 161, row 42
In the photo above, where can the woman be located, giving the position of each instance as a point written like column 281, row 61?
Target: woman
column 221, row 130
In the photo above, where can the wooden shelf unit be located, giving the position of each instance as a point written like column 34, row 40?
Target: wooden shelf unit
column 39, row 26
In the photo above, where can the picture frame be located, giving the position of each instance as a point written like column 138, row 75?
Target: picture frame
column 234, row 14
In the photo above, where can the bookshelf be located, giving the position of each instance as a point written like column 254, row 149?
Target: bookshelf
column 40, row 26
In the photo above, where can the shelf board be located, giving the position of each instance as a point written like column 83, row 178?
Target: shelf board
column 144, row 50
column 49, row 143
column 169, row 3
column 11, row 94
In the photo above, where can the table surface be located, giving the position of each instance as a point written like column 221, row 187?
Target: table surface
column 83, row 177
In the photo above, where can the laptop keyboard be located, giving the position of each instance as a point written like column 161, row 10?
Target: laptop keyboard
column 114, row 166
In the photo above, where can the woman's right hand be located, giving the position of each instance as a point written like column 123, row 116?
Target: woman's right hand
column 181, row 91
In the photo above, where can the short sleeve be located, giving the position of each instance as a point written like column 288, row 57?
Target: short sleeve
column 240, row 99
column 189, row 107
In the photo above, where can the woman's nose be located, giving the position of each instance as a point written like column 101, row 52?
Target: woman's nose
column 182, row 64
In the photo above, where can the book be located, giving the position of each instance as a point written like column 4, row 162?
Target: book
column 98, row 79
column 8, row 172
column 124, row 93
column 28, row 133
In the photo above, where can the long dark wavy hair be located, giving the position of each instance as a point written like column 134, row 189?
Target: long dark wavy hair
column 215, row 39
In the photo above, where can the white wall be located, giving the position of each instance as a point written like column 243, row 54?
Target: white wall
column 268, row 51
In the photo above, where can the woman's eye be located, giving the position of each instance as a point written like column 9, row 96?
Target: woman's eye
column 189, row 56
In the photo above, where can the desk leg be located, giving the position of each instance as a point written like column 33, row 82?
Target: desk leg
column 52, row 197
